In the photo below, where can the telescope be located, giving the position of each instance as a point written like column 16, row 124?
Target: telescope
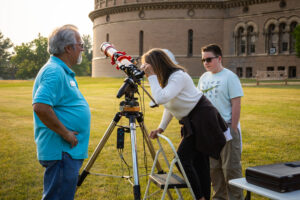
column 128, row 65
column 125, row 63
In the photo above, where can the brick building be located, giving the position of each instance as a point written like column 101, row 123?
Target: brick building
column 254, row 34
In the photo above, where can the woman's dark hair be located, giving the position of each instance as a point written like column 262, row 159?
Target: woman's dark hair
column 215, row 49
column 162, row 65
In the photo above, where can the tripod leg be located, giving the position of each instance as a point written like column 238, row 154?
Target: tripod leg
column 136, row 184
column 148, row 141
column 98, row 149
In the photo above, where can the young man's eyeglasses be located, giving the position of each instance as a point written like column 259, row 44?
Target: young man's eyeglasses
column 208, row 60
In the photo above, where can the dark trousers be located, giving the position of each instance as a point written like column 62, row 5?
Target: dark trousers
column 196, row 167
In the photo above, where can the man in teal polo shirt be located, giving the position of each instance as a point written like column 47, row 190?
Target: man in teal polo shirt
column 61, row 115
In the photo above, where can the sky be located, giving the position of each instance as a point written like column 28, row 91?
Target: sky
column 22, row 20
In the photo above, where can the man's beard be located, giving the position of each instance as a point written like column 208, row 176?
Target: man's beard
column 79, row 59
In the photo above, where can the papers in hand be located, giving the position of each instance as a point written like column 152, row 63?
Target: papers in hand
column 227, row 135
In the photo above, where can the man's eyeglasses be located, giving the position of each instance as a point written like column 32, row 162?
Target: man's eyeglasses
column 208, row 60
column 81, row 45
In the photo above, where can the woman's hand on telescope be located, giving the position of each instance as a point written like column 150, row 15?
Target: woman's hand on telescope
column 154, row 133
column 148, row 69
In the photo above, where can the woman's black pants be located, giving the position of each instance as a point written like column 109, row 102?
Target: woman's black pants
column 196, row 167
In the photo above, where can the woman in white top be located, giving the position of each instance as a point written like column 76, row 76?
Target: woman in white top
column 201, row 133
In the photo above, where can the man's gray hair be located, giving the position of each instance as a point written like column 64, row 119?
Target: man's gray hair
column 60, row 38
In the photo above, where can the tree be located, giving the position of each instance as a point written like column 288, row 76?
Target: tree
column 30, row 57
column 296, row 35
column 5, row 67
column 88, row 47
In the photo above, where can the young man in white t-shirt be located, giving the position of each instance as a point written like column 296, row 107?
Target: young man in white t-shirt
column 223, row 88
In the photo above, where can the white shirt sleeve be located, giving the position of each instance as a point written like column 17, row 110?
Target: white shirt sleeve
column 165, row 120
column 163, row 95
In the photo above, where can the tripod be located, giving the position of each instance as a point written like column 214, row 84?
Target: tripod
column 131, row 110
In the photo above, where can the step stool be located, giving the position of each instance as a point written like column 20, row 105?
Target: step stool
column 168, row 180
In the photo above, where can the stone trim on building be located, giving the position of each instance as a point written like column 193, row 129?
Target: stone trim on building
column 98, row 12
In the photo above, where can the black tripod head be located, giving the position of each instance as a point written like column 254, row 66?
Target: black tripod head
column 129, row 88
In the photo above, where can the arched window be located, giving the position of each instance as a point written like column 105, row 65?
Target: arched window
column 292, row 39
column 248, row 72
column 239, row 72
column 107, row 37
column 283, row 38
column 241, row 41
column 272, row 39
column 250, row 40
column 190, row 43
column 141, row 43
column 292, row 72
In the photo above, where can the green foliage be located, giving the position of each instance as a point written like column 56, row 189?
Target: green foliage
column 296, row 35
column 87, row 47
column 5, row 67
column 5, row 45
column 30, row 57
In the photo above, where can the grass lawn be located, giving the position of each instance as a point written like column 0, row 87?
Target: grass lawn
column 270, row 121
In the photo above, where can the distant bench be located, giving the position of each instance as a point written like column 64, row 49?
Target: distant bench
column 271, row 76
